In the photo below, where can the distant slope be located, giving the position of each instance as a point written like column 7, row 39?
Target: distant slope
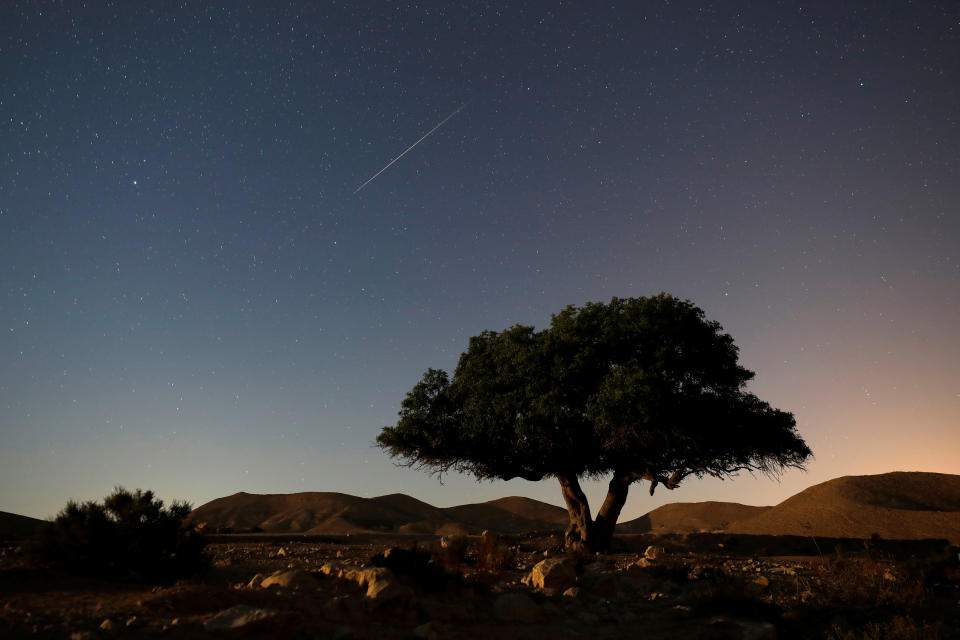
column 690, row 517
column 17, row 527
column 893, row 505
column 510, row 515
column 904, row 505
column 324, row 512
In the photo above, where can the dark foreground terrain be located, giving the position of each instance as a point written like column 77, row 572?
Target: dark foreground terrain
column 695, row 586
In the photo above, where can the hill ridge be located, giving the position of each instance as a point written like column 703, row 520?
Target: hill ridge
column 899, row 504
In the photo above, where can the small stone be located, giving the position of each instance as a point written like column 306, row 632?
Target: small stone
column 761, row 581
column 281, row 552
column 131, row 621
column 107, row 625
column 572, row 592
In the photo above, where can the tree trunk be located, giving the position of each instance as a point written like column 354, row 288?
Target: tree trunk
column 584, row 534
column 601, row 533
column 578, row 536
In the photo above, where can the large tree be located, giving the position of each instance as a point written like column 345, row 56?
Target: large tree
column 638, row 389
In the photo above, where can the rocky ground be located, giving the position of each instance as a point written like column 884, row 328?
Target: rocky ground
column 516, row 587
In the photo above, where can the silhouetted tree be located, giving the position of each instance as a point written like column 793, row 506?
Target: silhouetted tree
column 640, row 388
column 130, row 535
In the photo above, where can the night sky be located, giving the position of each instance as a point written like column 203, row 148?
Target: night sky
column 195, row 299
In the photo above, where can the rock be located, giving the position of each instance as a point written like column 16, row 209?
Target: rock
column 552, row 573
column 238, row 616
column 381, row 583
column 643, row 563
column 107, row 625
column 131, row 621
column 516, row 607
column 255, row 581
column 291, row 579
column 384, row 588
column 762, row 581
column 281, row 552
column 654, row 552
column 572, row 592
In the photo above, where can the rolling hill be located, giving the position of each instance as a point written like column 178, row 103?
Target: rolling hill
column 319, row 512
column 905, row 505
column 690, row 517
column 902, row 504
column 17, row 527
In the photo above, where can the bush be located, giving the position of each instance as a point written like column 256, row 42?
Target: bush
column 493, row 554
column 130, row 535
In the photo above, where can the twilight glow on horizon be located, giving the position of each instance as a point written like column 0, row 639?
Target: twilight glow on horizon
column 196, row 297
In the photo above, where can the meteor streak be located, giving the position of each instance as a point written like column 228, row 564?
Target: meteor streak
column 407, row 150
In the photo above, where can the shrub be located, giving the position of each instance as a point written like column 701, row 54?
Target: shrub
column 493, row 554
column 130, row 535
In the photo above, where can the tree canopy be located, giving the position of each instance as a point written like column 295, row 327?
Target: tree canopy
column 642, row 388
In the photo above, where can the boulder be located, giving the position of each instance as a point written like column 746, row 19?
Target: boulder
column 553, row 573
column 516, row 607
column 653, row 552
column 291, row 579
column 238, row 616
column 381, row 584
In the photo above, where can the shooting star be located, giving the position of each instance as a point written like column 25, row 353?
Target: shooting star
column 407, row 150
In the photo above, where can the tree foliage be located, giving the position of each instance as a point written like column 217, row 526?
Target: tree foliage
column 130, row 535
column 641, row 388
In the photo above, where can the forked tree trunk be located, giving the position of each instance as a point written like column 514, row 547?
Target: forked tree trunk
column 584, row 534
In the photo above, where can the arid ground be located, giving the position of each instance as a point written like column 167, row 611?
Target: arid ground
column 674, row 586
column 866, row 557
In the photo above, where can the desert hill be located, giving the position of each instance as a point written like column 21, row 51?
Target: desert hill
column 16, row 527
column 511, row 515
column 690, row 517
column 324, row 512
column 901, row 505
column 904, row 505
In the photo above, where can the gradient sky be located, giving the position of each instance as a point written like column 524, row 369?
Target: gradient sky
column 193, row 298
